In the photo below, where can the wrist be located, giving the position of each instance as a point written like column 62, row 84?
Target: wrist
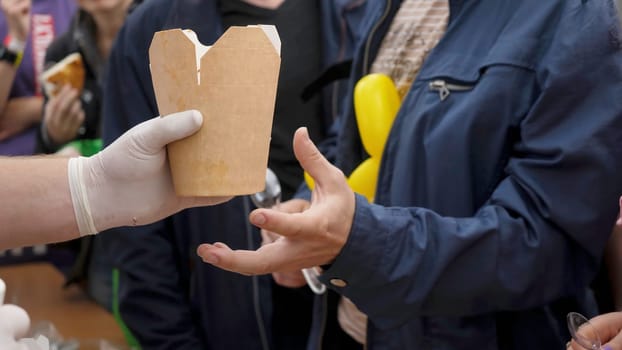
column 13, row 43
column 49, row 144
column 12, row 50
column 78, row 172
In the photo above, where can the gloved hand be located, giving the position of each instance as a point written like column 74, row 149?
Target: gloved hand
column 14, row 323
column 129, row 182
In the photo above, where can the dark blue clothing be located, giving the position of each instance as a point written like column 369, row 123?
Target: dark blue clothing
column 168, row 297
column 494, row 204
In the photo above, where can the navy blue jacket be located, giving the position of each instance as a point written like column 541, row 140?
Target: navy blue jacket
column 168, row 298
column 494, row 203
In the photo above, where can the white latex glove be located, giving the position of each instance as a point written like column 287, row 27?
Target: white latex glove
column 14, row 324
column 129, row 182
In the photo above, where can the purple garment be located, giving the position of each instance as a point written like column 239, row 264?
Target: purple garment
column 50, row 18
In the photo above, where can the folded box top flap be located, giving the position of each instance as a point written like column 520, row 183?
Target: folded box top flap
column 242, row 55
column 174, row 47
column 233, row 84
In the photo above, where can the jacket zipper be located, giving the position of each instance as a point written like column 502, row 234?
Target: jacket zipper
column 385, row 15
column 444, row 88
column 342, row 48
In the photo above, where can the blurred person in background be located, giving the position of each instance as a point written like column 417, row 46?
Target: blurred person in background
column 71, row 121
column 73, row 115
column 609, row 325
column 609, row 282
column 12, row 50
column 27, row 28
column 166, row 297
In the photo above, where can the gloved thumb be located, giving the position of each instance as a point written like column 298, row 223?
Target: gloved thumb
column 156, row 133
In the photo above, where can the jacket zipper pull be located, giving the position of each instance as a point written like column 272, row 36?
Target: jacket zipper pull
column 444, row 89
column 441, row 87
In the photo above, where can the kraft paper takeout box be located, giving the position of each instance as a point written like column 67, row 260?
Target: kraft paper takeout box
column 233, row 83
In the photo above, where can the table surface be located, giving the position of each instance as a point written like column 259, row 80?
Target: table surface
column 38, row 288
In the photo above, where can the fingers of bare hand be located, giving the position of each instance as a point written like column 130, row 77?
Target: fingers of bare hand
column 61, row 100
column 76, row 114
column 50, row 110
column 614, row 344
column 284, row 224
column 15, row 3
column 268, row 237
column 67, row 111
column 69, row 99
column 608, row 325
column 8, row 6
column 269, row 258
column 296, row 205
column 22, row 6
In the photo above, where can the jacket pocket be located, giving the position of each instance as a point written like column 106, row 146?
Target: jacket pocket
column 520, row 53
column 502, row 77
column 445, row 87
column 463, row 112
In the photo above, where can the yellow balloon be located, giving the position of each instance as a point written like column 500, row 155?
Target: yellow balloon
column 309, row 180
column 360, row 179
column 376, row 103
column 363, row 179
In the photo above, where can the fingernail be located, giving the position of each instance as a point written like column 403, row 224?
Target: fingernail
column 197, row 116
column 259, row 219
column 607, row 347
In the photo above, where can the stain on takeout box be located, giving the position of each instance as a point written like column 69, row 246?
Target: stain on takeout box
column 233, row 84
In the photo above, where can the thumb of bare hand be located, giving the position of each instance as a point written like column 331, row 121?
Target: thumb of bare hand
column 311, row 159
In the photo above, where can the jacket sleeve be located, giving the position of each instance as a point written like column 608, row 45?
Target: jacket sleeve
column 152, row 302
column 541, row 233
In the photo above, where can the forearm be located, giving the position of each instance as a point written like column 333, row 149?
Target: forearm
column 37, row 202
column 7, row 72
column 19, row 114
